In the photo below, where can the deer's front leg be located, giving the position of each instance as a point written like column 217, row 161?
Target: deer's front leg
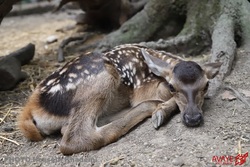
column 114, row 130
column 163, row 112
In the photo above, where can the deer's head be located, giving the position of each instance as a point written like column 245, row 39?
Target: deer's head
column 188, row 83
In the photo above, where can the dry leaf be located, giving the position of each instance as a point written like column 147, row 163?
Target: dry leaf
column 227, row 95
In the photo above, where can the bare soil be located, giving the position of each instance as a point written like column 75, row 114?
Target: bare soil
column 226, row 129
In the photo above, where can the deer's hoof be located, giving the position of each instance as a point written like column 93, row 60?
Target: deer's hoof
column 158, row 118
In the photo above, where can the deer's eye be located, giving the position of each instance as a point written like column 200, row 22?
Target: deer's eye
column 171, row 88
column 206, row 87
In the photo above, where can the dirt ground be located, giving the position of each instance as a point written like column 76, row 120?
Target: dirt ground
column 226, row 129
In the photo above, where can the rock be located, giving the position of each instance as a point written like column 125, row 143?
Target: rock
column 10, row 66
column 227, row 95
column 51, row 39
column 178, row 161
column 8, row 129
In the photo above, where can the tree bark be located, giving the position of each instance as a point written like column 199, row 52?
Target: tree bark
column 244, row 20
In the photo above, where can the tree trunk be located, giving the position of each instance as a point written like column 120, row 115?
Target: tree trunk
column 143, row 25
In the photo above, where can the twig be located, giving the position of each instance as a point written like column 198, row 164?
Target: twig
column 65, row 42
column 5, row 106
column 9, row 133
column 237, row 94
column 12, row 141
column 5, row 116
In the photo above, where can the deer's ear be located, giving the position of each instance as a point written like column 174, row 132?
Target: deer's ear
column 156, row 65
column 211, row 69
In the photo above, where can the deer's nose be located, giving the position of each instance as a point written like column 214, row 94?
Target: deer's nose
column 192, row 119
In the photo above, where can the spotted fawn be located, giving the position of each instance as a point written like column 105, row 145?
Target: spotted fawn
column 132, row 78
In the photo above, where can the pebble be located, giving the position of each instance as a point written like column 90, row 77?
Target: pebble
column 8, row 129
column 51, row 39
column 178, row 161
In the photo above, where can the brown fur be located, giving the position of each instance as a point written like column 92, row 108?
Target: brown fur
column 25, row 119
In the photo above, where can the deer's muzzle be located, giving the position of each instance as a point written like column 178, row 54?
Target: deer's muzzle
column 192, row 116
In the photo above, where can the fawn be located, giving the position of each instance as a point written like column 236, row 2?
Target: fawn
column 140, row 81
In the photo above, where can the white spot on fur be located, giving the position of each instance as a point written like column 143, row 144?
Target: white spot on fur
column 131, row 80
column 86, row 72
column 168, row 61
column 63, row 71
column 138, row 82
column 55, row 89
column 72, row 75
column 130, row 65
column 127, row 74
column 79, row 81
column 135, row 60
column 111, row 52
column 141, row 64
column 79, row 67
column 134, row 71
column 93, row 65
column 70, row 86
column 126, row 66
column 43, row 88
column 143, row 75
column 50, row 82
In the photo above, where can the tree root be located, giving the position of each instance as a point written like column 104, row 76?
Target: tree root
column 237, row 94
column 223, row 41
column 131, row 31
column 83, row 38
column 89, row 47
column 174, row 45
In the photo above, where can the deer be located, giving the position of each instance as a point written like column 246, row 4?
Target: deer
column 131, row 79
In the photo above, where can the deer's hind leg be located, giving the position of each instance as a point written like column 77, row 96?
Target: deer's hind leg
column 98, row 95
column 92, row 137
